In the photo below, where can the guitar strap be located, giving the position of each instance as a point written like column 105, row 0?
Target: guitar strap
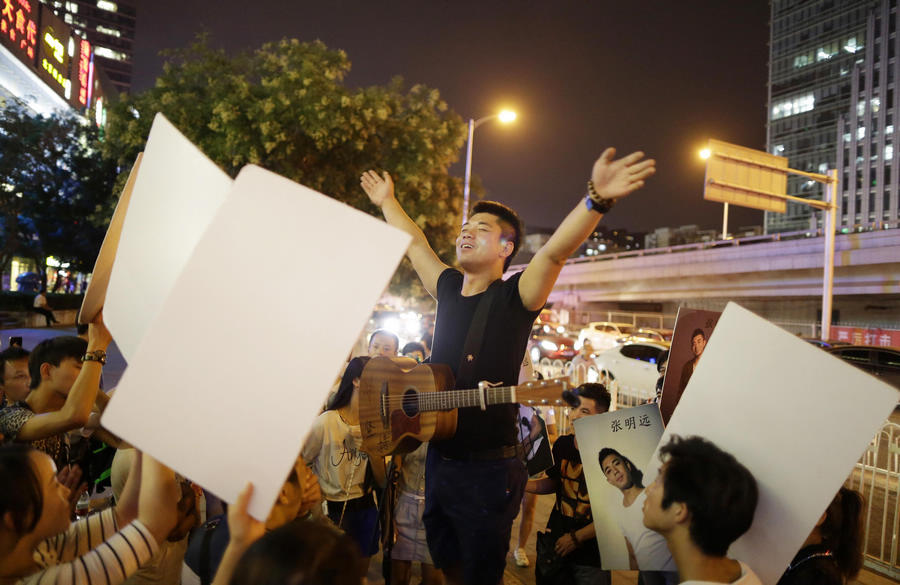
column 475, row 337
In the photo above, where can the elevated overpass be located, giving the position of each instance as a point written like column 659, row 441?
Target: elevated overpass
column 778, row 266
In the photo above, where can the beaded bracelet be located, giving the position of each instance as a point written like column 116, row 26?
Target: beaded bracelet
column 595, row 202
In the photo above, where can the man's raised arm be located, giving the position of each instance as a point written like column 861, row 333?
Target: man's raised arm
column 610, row 181
column 380, row 189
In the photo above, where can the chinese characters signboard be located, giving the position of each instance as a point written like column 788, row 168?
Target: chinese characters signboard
column 19, row 28
column 49, row 47
column 862, row 336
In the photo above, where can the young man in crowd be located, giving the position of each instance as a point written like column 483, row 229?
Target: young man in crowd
column 702, row 501
column 65, row 380
column 414, row 350
column 571, row 517
column 15, row 381
column 383, row 343
column 474, row 481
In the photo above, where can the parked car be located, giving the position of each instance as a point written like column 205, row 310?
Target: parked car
column 643, row 334
column 604, row 334
column 548, row 342
column 632, row 367
column 883, row 362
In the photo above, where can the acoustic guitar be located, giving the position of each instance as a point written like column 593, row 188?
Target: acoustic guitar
column 403, row 403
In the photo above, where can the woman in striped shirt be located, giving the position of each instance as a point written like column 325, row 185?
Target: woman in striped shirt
column 38, row 545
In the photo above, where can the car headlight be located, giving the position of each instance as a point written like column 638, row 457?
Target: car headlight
column 548, row 345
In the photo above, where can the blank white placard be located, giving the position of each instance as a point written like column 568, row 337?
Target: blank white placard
column 795, row 416
column 232, row 372
column 177, row 192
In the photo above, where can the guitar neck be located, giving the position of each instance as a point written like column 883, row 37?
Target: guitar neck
column 488, row 396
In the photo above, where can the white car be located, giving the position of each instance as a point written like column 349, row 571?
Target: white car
column 631, row 369
column 604, row 334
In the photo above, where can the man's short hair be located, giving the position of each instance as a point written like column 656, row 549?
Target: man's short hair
column 387, row 333
column 11, row 354
column 697, row 332
column 413, row 346
column 596, row 392
column 719, row 492
column 53, row 351
column 510, row 224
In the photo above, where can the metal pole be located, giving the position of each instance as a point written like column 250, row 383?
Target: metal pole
column 829, row 227
column 465, row 209
column 725, row 222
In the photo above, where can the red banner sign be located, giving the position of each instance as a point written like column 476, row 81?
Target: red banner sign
column 864, row 336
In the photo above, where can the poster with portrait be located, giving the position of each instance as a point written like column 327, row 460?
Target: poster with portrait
column 616, row 450
column 795, row 416
column 693, row 328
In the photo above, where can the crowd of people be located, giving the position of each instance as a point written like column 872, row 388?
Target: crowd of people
column 448, row 505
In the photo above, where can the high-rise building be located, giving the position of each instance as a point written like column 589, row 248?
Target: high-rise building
column 813, row 49
column 867, row 192
column 109, row 25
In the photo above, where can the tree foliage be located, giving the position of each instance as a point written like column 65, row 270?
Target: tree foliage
column 285, row 107
column 56, row 189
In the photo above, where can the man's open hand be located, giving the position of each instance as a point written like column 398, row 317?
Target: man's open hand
column 615, row 179
column 379, row 188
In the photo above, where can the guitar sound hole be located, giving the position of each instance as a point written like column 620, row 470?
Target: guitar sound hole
column 410, row 403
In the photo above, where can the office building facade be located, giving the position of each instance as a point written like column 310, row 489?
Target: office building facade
column 815, row 47
column 109, row 25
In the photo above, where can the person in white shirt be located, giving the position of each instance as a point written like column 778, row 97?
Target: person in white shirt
column 702, row 500
column 43, row 307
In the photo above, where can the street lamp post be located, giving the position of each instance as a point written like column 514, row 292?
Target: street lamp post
column 506, row 116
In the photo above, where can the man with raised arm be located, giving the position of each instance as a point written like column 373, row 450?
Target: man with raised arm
column 475, row 481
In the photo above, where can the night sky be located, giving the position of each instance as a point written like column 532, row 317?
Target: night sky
column 657, row 76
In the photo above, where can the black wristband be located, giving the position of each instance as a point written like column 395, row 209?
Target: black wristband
column 601, row 206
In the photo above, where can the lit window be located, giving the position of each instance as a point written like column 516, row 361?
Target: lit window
column 110, row 54
column 851, row 45
column 795, row 105
column 860, row 132
column 889, row 129
column 876, row 105
column 847, row 137
column 72, row 7
column 823, row 168
column 778, row 149
column 107, row 5
column 889, row 151
column 68, row 18
column 861, row 108
column 108, row 31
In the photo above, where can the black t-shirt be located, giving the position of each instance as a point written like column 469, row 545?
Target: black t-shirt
column 505, row 338
column 573, row 507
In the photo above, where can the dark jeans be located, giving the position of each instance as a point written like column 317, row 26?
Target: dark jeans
column 47, row 315
column 469, row 510
column 360, row 521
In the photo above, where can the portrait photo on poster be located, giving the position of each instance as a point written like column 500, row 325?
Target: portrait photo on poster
column 616, row 448
column 693, row 328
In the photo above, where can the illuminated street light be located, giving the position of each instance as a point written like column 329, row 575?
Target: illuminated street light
column 705, row 153
column 505, row 117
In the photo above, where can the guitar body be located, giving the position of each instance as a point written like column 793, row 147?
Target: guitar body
column 388, row 414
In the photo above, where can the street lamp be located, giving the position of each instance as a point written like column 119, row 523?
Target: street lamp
column 505, row 117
